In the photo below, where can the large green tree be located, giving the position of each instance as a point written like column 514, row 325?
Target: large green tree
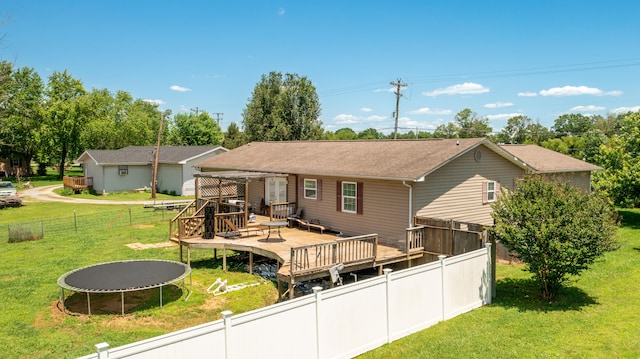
column 283, row 108
column 63, row 120
column 556, row 229
column 620, row 158
column 188, row 129
column 573, row 124
column 22, row 118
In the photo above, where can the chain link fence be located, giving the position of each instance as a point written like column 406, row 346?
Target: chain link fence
column 83, row 223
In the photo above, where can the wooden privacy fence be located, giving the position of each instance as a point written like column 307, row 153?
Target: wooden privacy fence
column 322, row 256
column 446, row 236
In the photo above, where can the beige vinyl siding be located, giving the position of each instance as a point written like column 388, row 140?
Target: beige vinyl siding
column 581, row 180
column 385, row 208
column 455, row 190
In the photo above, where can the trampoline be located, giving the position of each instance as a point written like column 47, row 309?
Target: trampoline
column 124, row 276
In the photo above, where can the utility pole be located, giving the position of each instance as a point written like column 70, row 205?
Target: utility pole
column 154, row 170
column 398, row 86
column 218, row 114
column 197, row 110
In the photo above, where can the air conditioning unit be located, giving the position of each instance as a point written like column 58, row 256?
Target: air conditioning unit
column 123, row 172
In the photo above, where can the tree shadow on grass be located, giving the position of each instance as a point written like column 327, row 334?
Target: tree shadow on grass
column 525, row 295
column 630, row 219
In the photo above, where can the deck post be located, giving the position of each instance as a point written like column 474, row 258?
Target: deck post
column 250, row 262
column 224, row 259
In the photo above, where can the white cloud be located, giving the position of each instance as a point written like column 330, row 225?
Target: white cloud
column 626, row 109
column 154, row 102
column 467, row 88
column 589, row 108
column 366, row 109
column 430, row 111
column 503, row 116
column 498, row 105
column 527, row 94
column 390, row 89
column 577, row 91
column 180, row 88
column 345, row 119
column 376, row 118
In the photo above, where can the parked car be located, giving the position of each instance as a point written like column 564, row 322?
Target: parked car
column 7, row 189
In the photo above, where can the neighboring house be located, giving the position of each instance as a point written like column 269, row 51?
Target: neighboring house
column 131, row 168
column 10, row 167
column 379, row 186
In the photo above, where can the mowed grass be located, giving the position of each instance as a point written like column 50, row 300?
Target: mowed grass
column 33, row 326
column 597, row 315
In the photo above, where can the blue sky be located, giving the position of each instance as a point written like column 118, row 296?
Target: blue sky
column 499, row 58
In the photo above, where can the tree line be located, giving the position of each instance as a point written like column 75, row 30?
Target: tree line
column 54, row 122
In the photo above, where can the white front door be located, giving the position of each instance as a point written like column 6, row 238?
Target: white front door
column 275, row 190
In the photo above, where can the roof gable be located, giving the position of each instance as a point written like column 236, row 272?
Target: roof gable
column 543, row 160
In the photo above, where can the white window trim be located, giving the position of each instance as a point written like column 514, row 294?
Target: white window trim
column 355, row 197
column 314, row 189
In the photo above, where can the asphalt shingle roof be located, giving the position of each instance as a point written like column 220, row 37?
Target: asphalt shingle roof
column 144, row 154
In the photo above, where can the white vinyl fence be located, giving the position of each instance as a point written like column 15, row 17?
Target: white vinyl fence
column 341, row 322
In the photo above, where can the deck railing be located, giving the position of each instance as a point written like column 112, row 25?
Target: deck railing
column 190, row 222
column 282, row 210
column 414, row 240
column 185, row 224
column 77, row 183
column 348, row 251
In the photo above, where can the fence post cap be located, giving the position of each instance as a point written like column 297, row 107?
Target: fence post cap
column 387, row 270
column 442, row 257
column 101, row 347
column 316, row 289
column 226, row 313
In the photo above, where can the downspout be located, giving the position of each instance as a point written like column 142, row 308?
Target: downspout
column 410, row 203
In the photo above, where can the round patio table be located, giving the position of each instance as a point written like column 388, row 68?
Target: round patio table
column 274, row 225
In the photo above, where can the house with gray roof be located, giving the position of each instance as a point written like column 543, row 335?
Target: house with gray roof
column 131, row 168
column 380, row 186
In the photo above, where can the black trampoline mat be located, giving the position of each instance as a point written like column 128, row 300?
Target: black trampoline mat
column 125, row 275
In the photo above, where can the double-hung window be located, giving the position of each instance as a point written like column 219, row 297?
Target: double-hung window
column 490, row 191
column 349, row 197
column 310, row 189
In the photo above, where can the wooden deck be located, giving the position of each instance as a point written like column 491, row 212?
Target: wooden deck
column 282, row 251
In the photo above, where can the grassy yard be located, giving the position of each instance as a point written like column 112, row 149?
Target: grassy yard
column 596, row 316
column 31, row 324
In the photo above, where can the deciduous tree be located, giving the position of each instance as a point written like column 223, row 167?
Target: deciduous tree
column 283, row 108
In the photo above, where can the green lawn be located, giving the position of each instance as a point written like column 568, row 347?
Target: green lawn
column 596, row 316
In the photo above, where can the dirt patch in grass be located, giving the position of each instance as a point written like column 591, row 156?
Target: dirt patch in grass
column 140, row 246
column 142, row 226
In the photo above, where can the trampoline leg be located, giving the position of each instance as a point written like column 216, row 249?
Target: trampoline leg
column 62, row 299
column 88, row 304
column 160, row 297
column 122, row 295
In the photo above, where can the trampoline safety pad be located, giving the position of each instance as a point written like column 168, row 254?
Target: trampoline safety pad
column 124, row 276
